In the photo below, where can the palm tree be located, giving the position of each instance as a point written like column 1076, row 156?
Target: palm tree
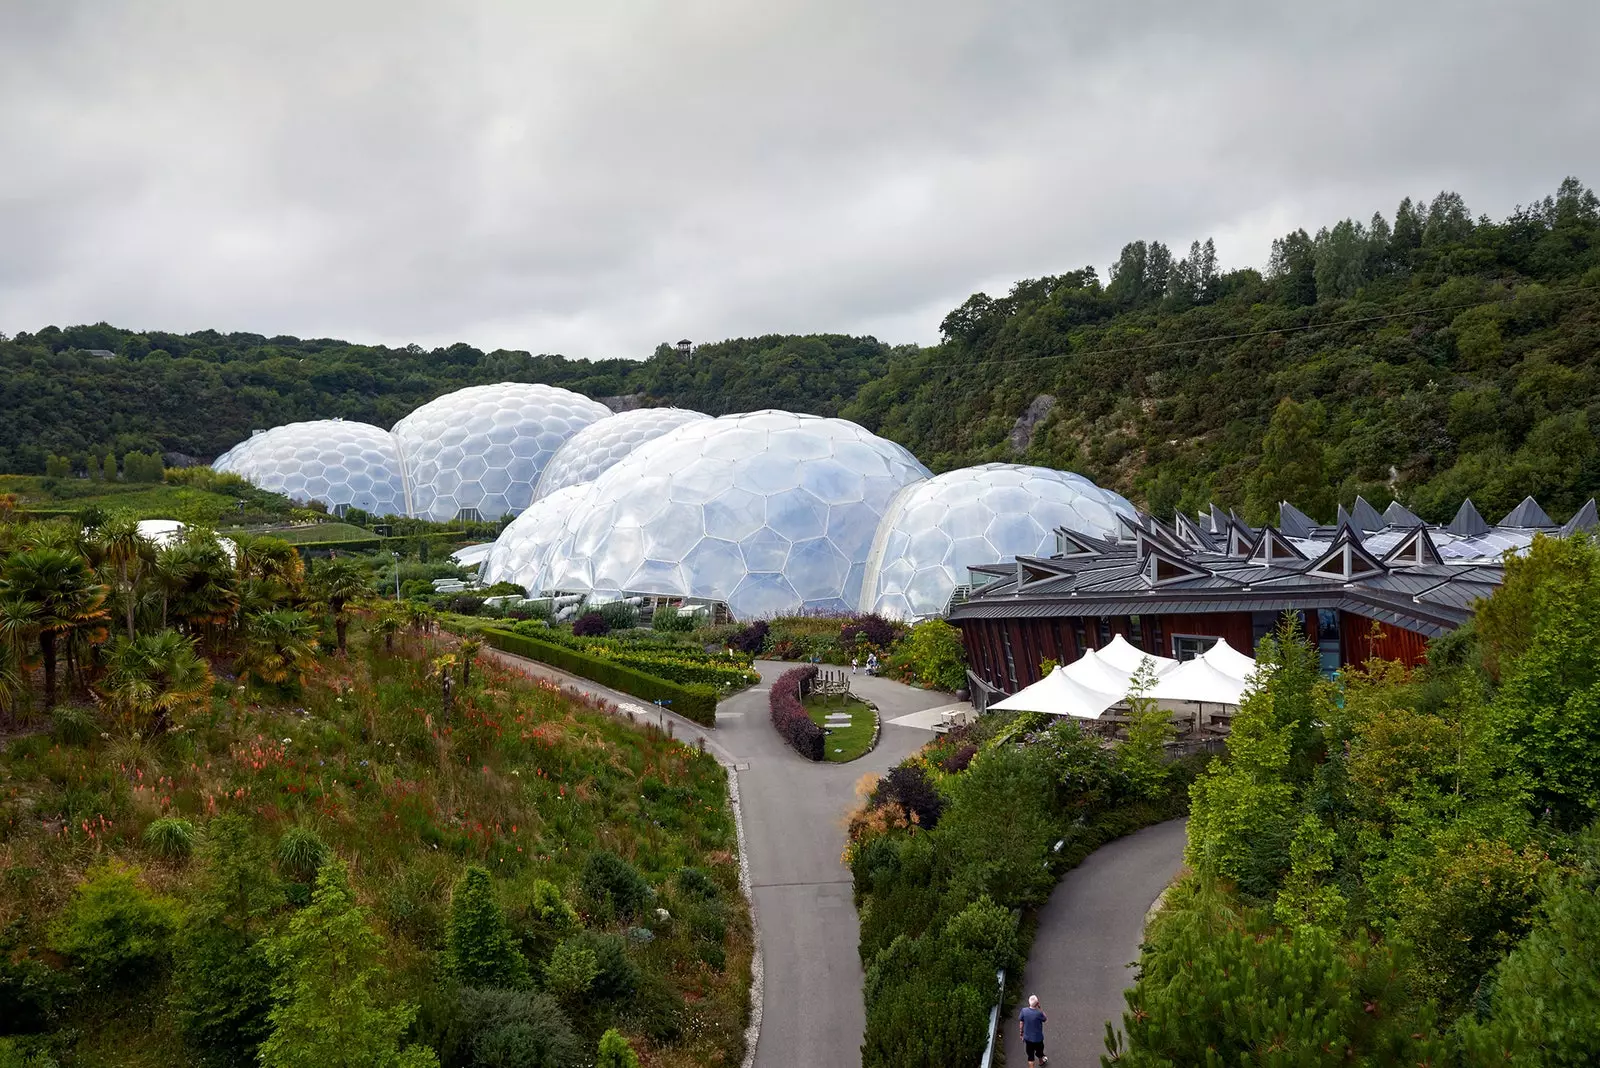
column 197, row 583
column 338, row 582
column 127, row 552
column 69, row 600
column 469, row 649
column 386, row 621
column 152, row 677
column 279, row 647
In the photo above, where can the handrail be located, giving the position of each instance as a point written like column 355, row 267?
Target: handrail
column 994, row 1020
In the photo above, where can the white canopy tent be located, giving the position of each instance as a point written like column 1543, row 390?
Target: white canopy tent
column 1060, row 695
column 1124, row 656
column 1230, row 661
column 1096, row 672
column 1199, row 681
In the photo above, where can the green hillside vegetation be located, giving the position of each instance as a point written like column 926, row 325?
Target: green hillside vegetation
column 1423, row 354
column 1426, row 355
column 250, row 816
column 1399, row 867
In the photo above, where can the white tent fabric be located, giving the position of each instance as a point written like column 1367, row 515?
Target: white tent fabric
column 471, row 555
column 1124, row 656
column 1096, row 672
column 1230, row 661
column 1200, row 681
column 1059, row 695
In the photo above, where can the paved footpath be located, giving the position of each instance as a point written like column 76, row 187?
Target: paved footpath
column 794, row 819
column 1089, row 932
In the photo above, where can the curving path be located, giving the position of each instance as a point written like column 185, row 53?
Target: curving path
column 1089, row 935
column 794, row 815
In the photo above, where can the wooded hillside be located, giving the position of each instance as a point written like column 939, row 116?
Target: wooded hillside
column 1426, row 354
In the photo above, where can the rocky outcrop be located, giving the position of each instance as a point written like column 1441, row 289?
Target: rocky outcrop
column 1027, row 423
column 627, row 402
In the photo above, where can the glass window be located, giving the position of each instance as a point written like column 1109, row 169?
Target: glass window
column 1081, row 636
column 1327, row 624
column 1105, row 632
column 1136, row 632
column 1011, row 663
column 1189, row 646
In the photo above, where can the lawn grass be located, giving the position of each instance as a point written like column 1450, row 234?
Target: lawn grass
column 313, row 533
column 844, row 743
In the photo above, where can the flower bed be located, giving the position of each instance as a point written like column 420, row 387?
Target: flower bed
column 789, row 712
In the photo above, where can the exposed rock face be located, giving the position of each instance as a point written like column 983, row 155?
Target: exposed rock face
column 180, row 459
column 625, row 403
column 1028, row 422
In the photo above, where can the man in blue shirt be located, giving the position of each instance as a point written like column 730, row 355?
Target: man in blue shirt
column 1030, row 1021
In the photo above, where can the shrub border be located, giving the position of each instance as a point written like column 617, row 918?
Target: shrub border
column 789, row 715
column 692, row 701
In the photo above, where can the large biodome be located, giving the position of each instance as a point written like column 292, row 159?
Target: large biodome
column 478, row 452
column 987, row 514
column 342, row 464
column 597, row 447
column 768, row 512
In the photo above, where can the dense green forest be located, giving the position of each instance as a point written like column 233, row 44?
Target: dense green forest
column 1425, row 354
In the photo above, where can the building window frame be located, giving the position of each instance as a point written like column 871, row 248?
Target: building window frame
column 1188, row 646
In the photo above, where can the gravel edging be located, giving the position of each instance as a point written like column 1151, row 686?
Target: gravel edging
column 752, row 1032
column 877, row 726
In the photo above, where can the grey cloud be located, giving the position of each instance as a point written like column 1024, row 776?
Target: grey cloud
column 595, row 178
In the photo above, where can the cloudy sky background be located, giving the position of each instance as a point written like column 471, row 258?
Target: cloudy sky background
column 595, row 178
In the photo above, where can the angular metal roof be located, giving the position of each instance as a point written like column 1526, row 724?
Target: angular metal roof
column 1391, row 567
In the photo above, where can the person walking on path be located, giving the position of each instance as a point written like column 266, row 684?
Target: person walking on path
column 855, row 665
column 1030, row 1021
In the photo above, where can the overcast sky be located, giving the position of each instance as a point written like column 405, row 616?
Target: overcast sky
column 594, row 177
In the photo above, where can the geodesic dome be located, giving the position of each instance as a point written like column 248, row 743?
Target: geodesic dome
column 522, row 552
column 988, row 514
column 769, row 512
column 593, row 450
column 342, row 464
column 481, row 449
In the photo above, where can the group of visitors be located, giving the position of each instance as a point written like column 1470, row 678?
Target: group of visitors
column 872, row 664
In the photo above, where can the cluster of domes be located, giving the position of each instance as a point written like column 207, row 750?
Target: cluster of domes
column 766, row 512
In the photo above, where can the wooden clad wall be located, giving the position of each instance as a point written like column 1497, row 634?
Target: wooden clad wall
column 1362, row 639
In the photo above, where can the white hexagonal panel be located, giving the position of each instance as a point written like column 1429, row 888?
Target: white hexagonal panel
column 342, row 464
column 522, row 552
column 483, row 448
column 596, row 448
column 935, row 530
column 769, row 511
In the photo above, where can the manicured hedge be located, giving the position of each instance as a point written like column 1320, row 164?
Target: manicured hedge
column 695, row 702
column 684, row 670
column 789, row 713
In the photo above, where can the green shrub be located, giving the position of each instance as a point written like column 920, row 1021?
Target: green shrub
column 931, row 656
column 613, row 886
column 693, row 882
column 615, row 1052
column 73, row 725
column 571, row 970
column 301, row 852
column 170, row 837
column 671, row 621
column 619, row 615
column 222, row 980
column 521, row 1028
column 114, row 928
column 617, row 976
column 481, row 951
column 698, row 703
